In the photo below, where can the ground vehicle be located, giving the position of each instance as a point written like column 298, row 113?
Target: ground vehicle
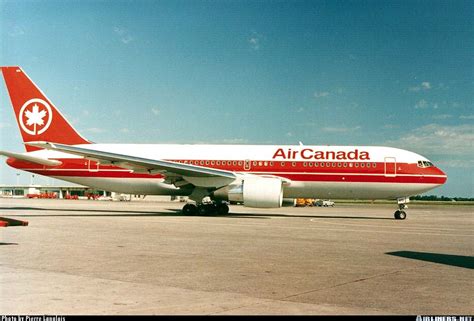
column 325, row 203
column 301, row 202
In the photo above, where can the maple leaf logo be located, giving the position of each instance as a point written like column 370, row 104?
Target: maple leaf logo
column 35, row 117
column 35, row 110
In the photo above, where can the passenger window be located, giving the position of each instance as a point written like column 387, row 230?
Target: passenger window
column 282, row 164
column 293, row 164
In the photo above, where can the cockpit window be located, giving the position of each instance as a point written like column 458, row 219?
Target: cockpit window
column 425, row 164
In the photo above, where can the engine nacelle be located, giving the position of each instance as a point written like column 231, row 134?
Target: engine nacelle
column 263, row 192
column 254, row 191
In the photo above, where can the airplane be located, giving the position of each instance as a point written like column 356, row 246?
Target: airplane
column 260, row 176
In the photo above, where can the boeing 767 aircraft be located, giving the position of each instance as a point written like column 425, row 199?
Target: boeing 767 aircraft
column 257, row 175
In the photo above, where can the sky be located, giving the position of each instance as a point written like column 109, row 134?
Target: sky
column 382, row 73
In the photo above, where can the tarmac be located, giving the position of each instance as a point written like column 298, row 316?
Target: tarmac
column 121, row 258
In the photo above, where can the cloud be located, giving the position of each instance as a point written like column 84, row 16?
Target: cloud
column 421, row 104
column 320, row 94
column 255, row 41
column 448, row 144
column 125, row 130
column 95, row 130
column 124, row 35
column 425, row 85
column 466, row 117
column 16, row 31
column 391, row 126
column 442, row 116
column 340, row 129
column 155, row 111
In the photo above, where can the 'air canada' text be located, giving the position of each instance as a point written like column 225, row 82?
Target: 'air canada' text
column 308, row 153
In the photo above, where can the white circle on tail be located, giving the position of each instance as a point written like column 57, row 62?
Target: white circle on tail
column 36, row 111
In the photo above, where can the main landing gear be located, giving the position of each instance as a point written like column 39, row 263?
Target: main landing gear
column 209, row 208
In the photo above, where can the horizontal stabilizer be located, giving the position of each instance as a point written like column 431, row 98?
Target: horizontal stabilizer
column 32, row 159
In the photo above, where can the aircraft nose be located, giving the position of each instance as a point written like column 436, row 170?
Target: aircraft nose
column 443, row 174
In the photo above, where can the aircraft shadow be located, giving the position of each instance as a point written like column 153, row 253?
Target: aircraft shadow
column 446, row 259
column 174, row 212
column 8, row 244
column 116, row 212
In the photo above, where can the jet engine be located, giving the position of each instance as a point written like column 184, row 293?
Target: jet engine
column 254, row 191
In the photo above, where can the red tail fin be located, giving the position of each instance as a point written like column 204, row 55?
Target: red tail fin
column 38, row 119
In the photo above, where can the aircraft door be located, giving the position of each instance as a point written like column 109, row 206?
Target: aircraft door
column 390, row 166
column 247, row 164
column 93, row 166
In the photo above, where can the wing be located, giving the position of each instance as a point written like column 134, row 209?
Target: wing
column 175, row 173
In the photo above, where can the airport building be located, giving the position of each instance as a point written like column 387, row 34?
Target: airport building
column 73, row 192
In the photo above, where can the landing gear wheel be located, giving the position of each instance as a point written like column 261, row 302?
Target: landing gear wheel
column 400, row 215
column 190, row 209
column 222, row 209
column 207, row 209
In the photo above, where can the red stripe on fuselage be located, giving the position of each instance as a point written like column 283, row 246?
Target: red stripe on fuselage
column 295, row 171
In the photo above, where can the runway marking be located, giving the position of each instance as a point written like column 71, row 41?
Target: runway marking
column 394, row 227
column 323, row 228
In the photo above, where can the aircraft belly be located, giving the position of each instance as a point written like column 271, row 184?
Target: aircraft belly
column 143, row 186
column 346, row 190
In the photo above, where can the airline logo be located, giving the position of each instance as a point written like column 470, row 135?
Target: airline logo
column 309, row 154
column 35, row 116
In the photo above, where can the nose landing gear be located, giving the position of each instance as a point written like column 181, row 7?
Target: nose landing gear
column 400, row 214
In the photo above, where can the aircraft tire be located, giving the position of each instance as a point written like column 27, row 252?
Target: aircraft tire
column 223, row 209
column 400, row 215
column 190, row 209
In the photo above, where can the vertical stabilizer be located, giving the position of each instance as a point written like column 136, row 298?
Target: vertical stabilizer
column 38, row 119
